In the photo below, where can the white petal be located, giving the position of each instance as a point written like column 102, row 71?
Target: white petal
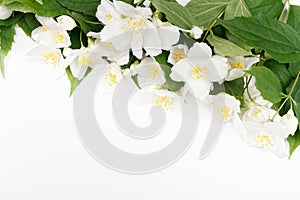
column 218, row 69
column 125, row 9
column 152, row 43
column 234, row 74
column 137, row 45
column 169, row 35
column 181, row 71
column 66, row 22
column 106, row 12
column 199, row 53
column 196, row 32
column 200, row 88
column 46, row 21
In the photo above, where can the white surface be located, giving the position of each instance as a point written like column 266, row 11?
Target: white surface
column 42, row 157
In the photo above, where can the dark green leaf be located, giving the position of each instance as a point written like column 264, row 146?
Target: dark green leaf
column 294, row 69
column 28, row 23
column 270, row 89
column 88, row 7
column 12, row 20
column 280, row 40
column 87, row 23
column 270, row 8
column 294, row 142
column 235, row 87
column 294, row 18
column 281, row 71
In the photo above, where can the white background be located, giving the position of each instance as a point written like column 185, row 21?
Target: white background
column 42, row 157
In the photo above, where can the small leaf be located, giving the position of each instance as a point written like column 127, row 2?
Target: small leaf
column 294, row 142
column 267, row 83
column 226, row 47
column 73, row 81
column 280, row 40
column 7, row 35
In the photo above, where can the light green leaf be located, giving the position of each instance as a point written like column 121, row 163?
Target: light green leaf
column 18, row 6
column 205, row 12
column 175, row 13
column 270, row 8
column 74, row 82
column 226, row 47
column 267, row 83
column 7, row 35
column 237, row 8
column 280, row 40
column 294, row 142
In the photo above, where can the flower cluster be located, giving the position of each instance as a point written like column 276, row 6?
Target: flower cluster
column 177, row 53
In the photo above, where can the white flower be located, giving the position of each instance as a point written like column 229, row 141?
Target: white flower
column 199, row 70
column 52, row 33
column 177, row 53
column 270, row 134
column 183, row 2
column 196, row 32
column 110, row 79
column 131, row 28
column 149, row 71
column 5, row 13
column 81, row 59
column 49, row 56
column 226, row 106
column 238, row 65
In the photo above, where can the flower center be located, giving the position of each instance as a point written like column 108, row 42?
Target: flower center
column 108, row 16
column 164, row 102
column 237, row 65
column 84, row 60
column 256, row 112
column 51, row 58
column 59, row 38
column 133, row 24
column 178, row 55
column 199, row 72
column 44, row 28
column 263, row 140
column 112, row 78
column 224, row 112
column 153, row 72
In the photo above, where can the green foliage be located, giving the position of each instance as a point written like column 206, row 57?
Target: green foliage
column 12, row 20
column 7, row 35
column 74, row 82
column 88, row 7
column 166, row 67
column 235, row 87
column 294, row 18
column 226, row 47
column 237, row 8
column 87, row 23
column 28, row 23
column 294, row 69
column 270, row 89
column 294, row 142
column 281, row 71
column 280, row 40
column 270, row 8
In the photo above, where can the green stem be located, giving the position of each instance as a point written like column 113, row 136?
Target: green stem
column 212, row 25
column 289, row 96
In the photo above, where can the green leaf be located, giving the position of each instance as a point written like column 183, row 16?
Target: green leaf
column 270, row 8
column 241, row 43
column 294, row 69
column 175, row 13
column 294, row 18
column 267, row 83
column 237, row 8
column 294, row 142
column 281, row 71
column 235, row 87
column 87, row 23
column 135, row 79
column 166, row 67
column 73, row 81
column 88, row 7
column 226, row 47
column 280, row 40
column 12, row 20
column 297, row 111
column 7, row 35
column 28, row 23
column 205, row 12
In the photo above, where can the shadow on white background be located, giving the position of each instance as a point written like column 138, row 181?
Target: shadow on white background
column 42, row 157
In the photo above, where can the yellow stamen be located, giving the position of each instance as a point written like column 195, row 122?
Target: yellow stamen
column 237, row 65
column 112, row 78
column 44, row 28
column 84, row 60
column 199, row 72
column 263, row 140
column 51, row 58
column 164, row 102
column 224, row 112
column 133, row 24
column 256, row 112
column 108, row 16
column 59, row 38
column 178, row 55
